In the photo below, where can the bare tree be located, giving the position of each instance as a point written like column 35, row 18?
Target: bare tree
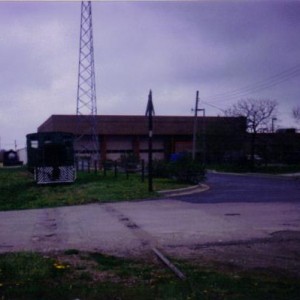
column 259, row 113
column 296, row 113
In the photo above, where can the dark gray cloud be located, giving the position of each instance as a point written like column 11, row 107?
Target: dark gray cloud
column 174, row 48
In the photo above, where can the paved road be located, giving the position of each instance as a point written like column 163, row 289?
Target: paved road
column 245, row 188
column 182, row 225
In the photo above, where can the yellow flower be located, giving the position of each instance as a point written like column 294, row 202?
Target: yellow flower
column 60, row 266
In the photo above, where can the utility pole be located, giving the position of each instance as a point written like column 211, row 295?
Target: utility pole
column 195, row 126
column 150, row 113
column 86, row 109
column 195, row 130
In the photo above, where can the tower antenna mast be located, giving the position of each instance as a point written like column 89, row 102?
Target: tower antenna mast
column 87, row 141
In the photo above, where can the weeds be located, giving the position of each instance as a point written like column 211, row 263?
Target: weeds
column 56, row 276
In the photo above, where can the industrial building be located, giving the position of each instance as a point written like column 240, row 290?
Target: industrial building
column 119, row 134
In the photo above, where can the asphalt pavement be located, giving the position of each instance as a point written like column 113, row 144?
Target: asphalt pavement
column 259, row 188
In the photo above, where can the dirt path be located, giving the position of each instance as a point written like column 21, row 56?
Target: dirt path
column 280, row 253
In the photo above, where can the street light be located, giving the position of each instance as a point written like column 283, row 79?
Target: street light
column 273, row 120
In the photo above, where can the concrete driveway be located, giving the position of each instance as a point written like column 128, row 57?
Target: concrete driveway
column 181, row 227
column 127, row 228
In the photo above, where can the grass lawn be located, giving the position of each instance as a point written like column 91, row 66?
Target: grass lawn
column 19, row 191
column 81, row 275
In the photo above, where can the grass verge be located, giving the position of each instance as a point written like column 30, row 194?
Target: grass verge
column 19, row 191
column 78, row 275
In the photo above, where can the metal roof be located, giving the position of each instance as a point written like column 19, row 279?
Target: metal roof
column 137, row 124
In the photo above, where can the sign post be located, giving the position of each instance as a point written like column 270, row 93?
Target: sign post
column 150, row 113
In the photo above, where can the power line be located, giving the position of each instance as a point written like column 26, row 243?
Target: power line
column 214, row 106
column 258, row 86
column 285, row 75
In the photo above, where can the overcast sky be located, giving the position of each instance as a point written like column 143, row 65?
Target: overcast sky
column 234, row 48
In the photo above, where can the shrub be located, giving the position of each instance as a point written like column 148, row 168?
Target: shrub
column 185, row 169
column 160, row 169
column 129, row 161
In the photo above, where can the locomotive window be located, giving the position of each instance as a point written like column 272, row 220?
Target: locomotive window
column 34, row 144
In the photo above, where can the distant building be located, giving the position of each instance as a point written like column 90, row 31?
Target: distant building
column 280, row 147
column 286, row 130
column 129, row 134
column 11, row 158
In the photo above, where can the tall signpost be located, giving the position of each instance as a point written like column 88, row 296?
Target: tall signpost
column 150, row 113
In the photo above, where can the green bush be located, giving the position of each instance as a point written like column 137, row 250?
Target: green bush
column 161, row 169
column 129, row 161
column 184, row 169
column 187, row 170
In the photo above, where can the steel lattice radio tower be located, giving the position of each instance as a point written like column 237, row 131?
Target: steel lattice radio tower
column 87, row 142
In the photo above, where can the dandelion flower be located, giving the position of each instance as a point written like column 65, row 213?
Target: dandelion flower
column 60, row 266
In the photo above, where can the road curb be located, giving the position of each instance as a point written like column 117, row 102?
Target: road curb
column 185, row 191
column 265, row 175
